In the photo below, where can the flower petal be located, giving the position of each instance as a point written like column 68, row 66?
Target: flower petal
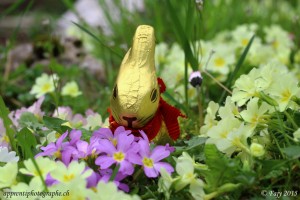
column 106, row 146
column 151, row 172
column 104, row 161
column 158, row 166
column 159, row 153
column 124, row 142
column 126, row 167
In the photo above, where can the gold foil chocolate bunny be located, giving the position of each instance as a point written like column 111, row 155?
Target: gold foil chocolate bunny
column 136, row 102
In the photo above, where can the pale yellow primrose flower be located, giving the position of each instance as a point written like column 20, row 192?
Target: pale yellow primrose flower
column 43, row 85
column 34, row 185
column 210, row 118
column 236, row 140
column 296, row 135
column 243, row 33
column 8, row 174
column 74, row 170
column 185, row 170
column 45, row 165
column 254, row 114
column 222, row 129
column 284, row 89
column 94, row 121
column 71, row 89
column 165, row 182
column 229, row 109
column 245, row 87
column 109, row 191
column 257, row 150
column 74, row 189
column 221, row 60
column 280, row 42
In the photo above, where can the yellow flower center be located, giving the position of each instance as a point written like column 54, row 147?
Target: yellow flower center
column 36, row 173
column 245, row 41
column 148, row 162
column 254, row 119
column 224, row 134
column 275, row 44
column 286, row 95
column 46, row 87
column 68, row 178
column 57, row 135
column 119, row 156
column 114, row 141
column 236, row 142
column 57, row 154
column 219, row 62
column 6, row 138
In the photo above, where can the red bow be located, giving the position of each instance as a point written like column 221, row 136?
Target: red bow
column 165, row 112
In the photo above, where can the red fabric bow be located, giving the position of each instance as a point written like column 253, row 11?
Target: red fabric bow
column 165, row 112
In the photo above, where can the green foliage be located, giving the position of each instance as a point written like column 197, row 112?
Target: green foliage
column 55, row 124
column 27, row 143
column 7, row 123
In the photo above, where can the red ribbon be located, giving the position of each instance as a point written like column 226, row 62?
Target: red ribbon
column 165, row 112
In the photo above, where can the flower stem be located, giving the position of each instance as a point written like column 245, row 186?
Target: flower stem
column 116, row 169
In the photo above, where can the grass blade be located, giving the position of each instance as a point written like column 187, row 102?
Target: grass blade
column 98, row 40
column 237, row 67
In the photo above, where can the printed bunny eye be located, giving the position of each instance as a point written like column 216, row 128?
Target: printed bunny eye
column 153, row 95
column 115, row 92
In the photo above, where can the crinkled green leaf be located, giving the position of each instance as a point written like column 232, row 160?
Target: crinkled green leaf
column 28, row 119
column 26, row 142
column 292, row 151
column 55, row 124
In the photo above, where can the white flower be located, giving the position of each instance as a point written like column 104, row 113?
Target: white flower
column 45, row 166
column 6, row 156
column 44, row 84
column 71, row 89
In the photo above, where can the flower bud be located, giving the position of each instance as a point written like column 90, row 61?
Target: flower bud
column 195, row 79
column 257, row 150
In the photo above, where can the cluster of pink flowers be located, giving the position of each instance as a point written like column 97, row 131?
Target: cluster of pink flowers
column 107, row 150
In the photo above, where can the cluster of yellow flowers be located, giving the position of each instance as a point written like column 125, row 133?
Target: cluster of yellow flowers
column 47, row 84
column 245, row 115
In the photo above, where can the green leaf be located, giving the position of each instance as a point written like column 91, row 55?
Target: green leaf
column 195, row 142
column 28, row 119
column 4, row 112
column 221, row 169
column 292, row 151
column 272, row 168
column 97, row 39
column 183, row 39
column 26, row 142
column 55, row 124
